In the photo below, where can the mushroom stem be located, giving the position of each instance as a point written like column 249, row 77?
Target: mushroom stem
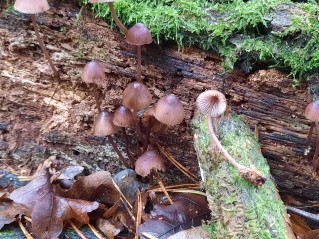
column 310, row 133
column 161, row 184
column 127, row 146
column 116, row 149
column 253, row 176
column 315, row 157
column 116, row 19
column 41, row 43
column 139, row 63
column 97, row 98
column 137, row 127
column 157, row 134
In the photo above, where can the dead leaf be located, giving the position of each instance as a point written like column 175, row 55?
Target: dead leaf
column 95, row 187
column 314, row 234
column 48, row 211
column 107, row 228
column 299, row 226
column 187, row 211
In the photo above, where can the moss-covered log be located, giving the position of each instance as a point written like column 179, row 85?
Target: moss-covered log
column 239, row 210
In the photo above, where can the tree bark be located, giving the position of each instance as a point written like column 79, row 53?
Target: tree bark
column 39, row 126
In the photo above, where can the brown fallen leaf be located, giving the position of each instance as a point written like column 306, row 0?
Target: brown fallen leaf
column 314, row 234
column 187, row 211
column 48, row 210
column 299, row 225
column 95, row 187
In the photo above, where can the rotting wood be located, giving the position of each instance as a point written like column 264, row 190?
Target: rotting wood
column 267, row 99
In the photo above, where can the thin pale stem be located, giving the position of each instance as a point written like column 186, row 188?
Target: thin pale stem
column 219, row 146
column 139, row 63
column 41, row 43
column 116, row 19
column 138, row 213
column 116, row 149
column 138, row 128
column 310, row 133
column 97, row 98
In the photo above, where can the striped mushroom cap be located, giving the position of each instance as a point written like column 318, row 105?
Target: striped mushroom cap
column 31, row 6
column 123, row 117
column 169, row 110
column 211, row 100
column 312, row 111
column 148, row 161
column 93, row 72
column 136, row 96
column 139, row 35
column 103, row 125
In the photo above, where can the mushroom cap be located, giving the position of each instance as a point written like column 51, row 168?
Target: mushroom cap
column 31, row 6
column 139, row 35
column 148, row 161
column 97, row 1
column 103, row 125
column 214, row 100
column 123, row 117
column 136, row 96
column 312, row 111
column 93, row 72
column 169, row 110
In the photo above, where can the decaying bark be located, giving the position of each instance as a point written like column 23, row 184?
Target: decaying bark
column 34, row 126
column 239, row 209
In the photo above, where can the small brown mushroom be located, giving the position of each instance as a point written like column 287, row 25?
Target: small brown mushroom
column 149, row 163
column 137, row 96
column 124, row 118
column 168, row 111
column 34, row 7
column 139, row 35
column 312, row 114
column 93, row 73
column 104, row 127
column 213, row 104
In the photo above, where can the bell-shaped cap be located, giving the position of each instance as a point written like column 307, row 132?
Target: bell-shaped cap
column 103, row 125
column 136, row 96
column 123, row 117
column 211, row 100
column 31, row 6
column 169, row 110
column 139, row 35
column 149, row 161
column 93, row 72
column 312, row 111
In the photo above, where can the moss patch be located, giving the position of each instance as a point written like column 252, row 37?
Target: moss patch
column 276, row 33
column 239, row 210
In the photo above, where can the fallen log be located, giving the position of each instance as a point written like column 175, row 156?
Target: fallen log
column 239, row 209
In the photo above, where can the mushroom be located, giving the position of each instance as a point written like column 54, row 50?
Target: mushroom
column 139, row 35
column 312, row 114
column 124, row 118
column 149, row 163
column 137, row 96
column 93, row 73
column 34, row 7
column 213, row 104
column 168, row 111
column 104, row 127
column 113, row 13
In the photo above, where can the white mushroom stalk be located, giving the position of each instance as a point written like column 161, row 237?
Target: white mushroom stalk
column 213, row 104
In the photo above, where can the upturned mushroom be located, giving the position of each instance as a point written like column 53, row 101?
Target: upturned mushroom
column 213, row 104
column 93, row 73
column 148, row 164
column 104, row 126
column 312, row 114
column 137, row 96
column 139, row 35
column 34, row 7
column 113, row 13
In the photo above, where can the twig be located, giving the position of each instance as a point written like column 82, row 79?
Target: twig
column 161, row 184
column 24, row 230
column 180, row 191
column 77, row 230
column 138, row 213
column 95, row 231
column 149, row 236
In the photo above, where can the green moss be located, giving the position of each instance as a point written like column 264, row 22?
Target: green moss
column 239, row 210
column 241, row 32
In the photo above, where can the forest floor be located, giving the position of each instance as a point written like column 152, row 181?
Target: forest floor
column 33, row 126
